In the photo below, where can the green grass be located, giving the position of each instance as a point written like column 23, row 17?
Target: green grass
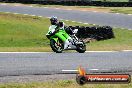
column 27, row 33
column 125, row 10
column 20, row 31
column 62, row 84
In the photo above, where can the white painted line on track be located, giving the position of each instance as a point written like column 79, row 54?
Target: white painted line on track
column 115, row 27
column 86, row 51
column 87, row 69
column 16, row 13
column 99, row 69
column 3, row 4
column 31, row 6
column 48, row 17
column 127, row 50
column 7, row 12
column 45, row 7
column 117, row 13
column 61, row 19
column 23, row 14
column 40, row 16
column 66, row 20
column 26, row 14
column 16, row 5
column 122, row 28
column 129, row 14
column 85, row 23
column 33, row 15
column 80, row 22
column 69, row 70
column 100, row 51
column 73, row 21
column 95, row 11
column 57, row 8
column 94, row 69
column 68, row 9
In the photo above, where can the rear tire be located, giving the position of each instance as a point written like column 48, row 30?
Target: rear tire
column 54, row 47
column 81, row 48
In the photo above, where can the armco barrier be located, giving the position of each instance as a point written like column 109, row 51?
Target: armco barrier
column 98, row 33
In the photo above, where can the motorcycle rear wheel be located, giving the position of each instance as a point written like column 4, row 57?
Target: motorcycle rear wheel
column 81, row 48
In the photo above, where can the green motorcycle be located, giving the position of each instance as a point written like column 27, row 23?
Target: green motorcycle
column 57, row 43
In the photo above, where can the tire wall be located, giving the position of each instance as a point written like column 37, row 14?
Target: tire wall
column 98, row 33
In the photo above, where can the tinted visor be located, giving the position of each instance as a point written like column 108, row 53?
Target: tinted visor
column 53, row 21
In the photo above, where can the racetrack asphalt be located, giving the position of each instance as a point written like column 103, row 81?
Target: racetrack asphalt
column 99, row 18
column 16, row 64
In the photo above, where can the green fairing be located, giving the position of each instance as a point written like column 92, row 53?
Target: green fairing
column 60, row 34
column 54, row 37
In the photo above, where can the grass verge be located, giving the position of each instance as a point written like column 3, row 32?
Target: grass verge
column 62, row 84
column 22, row 33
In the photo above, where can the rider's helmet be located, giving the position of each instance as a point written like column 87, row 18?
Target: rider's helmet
column 53, row 20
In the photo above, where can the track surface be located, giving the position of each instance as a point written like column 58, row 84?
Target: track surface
column 111, row 19
column 51, row 63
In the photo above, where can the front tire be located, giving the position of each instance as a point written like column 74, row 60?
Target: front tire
column 55, row 47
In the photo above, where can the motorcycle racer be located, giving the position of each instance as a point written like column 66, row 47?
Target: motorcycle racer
column 57, row 28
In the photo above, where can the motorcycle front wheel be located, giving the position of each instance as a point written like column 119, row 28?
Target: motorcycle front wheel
column 56, row 46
